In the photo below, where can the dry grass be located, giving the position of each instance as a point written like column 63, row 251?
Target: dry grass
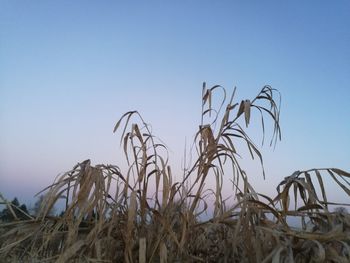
column 111, row 216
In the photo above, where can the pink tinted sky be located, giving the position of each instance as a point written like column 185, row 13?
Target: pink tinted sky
column 68, row 70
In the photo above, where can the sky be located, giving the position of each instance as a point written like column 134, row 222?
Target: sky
column 70, row 69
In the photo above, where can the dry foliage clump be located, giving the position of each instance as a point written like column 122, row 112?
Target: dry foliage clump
column 145, row 215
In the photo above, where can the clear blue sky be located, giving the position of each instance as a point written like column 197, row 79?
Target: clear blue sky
column 69, row 69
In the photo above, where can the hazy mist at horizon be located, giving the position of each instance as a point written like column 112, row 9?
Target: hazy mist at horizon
column 69, row 70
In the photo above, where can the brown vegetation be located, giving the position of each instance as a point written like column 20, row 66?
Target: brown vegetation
column 111, row 216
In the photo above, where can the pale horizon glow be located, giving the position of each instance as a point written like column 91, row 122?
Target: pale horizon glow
column 69, row 70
